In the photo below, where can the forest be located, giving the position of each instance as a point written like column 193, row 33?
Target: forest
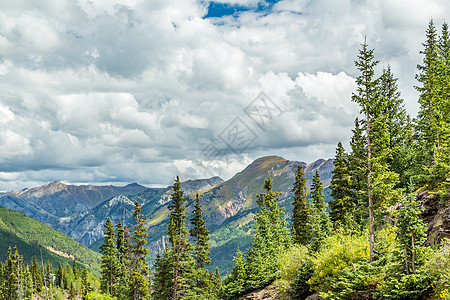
column 369, row 242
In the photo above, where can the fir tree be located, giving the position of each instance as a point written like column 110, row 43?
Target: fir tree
column 75, row 270
column 85, row 283
column 181, row 248
column 122, row 260
column 318, row 219
column 411, row 234
column 235, row 283
column 365, row 97
column 36, row 275
column 139, row 277
column 270, row 237
column 162, row 283
column 27, row 284
column 59, row 280
column 432, row 123
column 300, row 211
column 341, row 189
column 201, row 250
column 109, row 259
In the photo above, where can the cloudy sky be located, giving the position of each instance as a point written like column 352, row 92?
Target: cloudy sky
column 119, row 91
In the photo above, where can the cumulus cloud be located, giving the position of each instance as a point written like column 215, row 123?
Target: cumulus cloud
column 130, row 90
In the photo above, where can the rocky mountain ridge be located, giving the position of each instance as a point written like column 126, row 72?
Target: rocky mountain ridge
column 228, row 205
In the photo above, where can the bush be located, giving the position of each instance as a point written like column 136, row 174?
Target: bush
column 300, row 288
column 438, row 266
column 97, row 296
column 405, row 287
column 338, row 252
column 356, row 282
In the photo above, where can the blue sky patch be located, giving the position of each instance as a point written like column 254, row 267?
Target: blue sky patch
column 218, row 10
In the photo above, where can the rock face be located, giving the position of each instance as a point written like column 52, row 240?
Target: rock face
column 436, row 215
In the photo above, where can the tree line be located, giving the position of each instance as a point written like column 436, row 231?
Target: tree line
column 27, row 281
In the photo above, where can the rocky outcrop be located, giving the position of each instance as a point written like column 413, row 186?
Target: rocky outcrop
column 436, row 214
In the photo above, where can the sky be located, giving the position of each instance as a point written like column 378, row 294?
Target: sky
column 120, row 91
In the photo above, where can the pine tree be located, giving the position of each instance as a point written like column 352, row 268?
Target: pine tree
column 139, row 277
column 235, row 283
column 109, row 259
column 318, row 218
column 365, row 97
column 36, row 275
column 75, row 270
column 27, row 284
column 270, row 237
column 200, row 235
column 48, row 275
column 341, row 189
column 162, row 283
column 411, row 233
column 59, row 280
column 85, row 283
column 300, row 211
column 181, row 248
column 122, row 260
column 431, row 113
column 396, row 124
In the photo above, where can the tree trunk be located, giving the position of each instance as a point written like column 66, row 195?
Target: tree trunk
column 413, row 254
column 406, row 262
column 369, row 188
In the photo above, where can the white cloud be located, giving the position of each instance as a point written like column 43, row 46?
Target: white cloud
column 123, row 90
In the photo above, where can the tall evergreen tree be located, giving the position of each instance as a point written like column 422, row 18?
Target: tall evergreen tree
column 365, row 96
column 85, row 283
column 75, row 269
column 200, row 235
column 36, row 275
column 300, row 211
column 341, row 189
column 162, row 283
column 123, row 262
column 411, row 233
column 181, row 248
column 433, row 105
column 139, row 277
column 358, row 174
column 109, row 259
column 319, row 221
column 395, row 126
column 270, row 237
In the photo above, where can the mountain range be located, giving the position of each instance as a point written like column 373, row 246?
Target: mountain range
column 228, row 206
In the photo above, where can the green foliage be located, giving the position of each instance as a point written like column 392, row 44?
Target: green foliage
column 270, row 237
column 300, row 210
column 181, row 248
column 438, row 267
column 341, row 189
column 97, row 296
column 405, row 287
column 139, row 273
column 34, row 237
column 318, row 220
column 338, row 252
column 109, row 259
column 411, row 234
column 234, row 285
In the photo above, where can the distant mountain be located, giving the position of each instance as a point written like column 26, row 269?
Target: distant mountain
column 229, row 206
column 33, row 238
column 58, row 199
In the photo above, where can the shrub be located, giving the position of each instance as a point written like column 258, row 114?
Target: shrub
column 438, row 266
column 405, row 287
column 356, row 282
column 338, row 252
